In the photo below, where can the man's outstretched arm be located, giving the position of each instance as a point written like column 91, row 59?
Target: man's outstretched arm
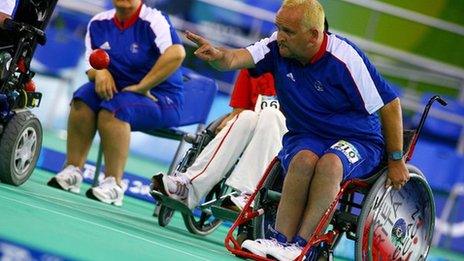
column 222, row 59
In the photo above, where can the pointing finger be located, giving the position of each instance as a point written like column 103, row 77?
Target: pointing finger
column 195, row 38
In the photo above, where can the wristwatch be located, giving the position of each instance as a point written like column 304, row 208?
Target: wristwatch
column 395, row 155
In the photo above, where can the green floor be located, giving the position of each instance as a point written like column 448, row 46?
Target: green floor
column 75, row 227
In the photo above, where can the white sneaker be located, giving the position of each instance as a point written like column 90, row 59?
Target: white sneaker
column 261, row 247
column 69, row 179
column 173, row 186
column 109, row 192
column 241, row 200
column 286, row 253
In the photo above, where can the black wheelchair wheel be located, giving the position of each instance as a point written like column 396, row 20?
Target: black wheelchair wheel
column 165, row 215
column 396, row 224
column 273, row 183
column 205, row 223
column 20, row 145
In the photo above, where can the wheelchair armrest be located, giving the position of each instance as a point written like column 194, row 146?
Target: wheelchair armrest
column 213, row 125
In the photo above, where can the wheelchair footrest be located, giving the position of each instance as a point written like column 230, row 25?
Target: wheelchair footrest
column 171, row 203
column 224, row 213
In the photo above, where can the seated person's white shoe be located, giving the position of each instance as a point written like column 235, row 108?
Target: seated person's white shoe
column 108, row 192
column 241, row 200
column 287, row 253
column 173, row 186
column 69, row 179
column 261, row 247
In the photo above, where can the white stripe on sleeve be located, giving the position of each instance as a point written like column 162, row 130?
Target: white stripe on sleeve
column 160, row 26
column 260, row 49
column 359, row 72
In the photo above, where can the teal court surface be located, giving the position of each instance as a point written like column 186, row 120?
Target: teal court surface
column 43, row 219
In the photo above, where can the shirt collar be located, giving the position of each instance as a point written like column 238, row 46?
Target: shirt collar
column 321, row 51
column 129, row 22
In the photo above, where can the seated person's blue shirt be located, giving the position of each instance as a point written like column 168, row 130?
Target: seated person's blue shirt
column 135, row 49
column 335, row 96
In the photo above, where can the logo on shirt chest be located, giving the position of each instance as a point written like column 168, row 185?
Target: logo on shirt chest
column 134, row 48
column 290, row 76
column 318, row 86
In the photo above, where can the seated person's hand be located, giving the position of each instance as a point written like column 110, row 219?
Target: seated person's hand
column 104, row 84
column 137, row 89
column 398, row 174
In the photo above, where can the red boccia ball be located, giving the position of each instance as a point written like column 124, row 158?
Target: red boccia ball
column 99, row 59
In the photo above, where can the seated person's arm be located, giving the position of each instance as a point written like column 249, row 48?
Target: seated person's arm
column 393, row 130
column 167, row 63
column 222, row 59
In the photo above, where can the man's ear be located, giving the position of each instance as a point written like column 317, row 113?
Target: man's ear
column 313, row 35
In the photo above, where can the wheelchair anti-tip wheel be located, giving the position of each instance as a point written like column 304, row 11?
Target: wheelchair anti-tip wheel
column 20, row 145
column 396, row 224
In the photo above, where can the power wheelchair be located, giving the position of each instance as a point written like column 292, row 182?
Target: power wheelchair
column 20, row 130
column 385, row 224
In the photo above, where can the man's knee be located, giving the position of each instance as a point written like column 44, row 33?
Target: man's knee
column 106, row 119
column 331, row 166
column 303, row 162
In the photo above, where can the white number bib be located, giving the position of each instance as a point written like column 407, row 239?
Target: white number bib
column 264, row 101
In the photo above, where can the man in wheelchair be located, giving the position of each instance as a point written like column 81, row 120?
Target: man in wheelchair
column 330, row 94
column 251, row 132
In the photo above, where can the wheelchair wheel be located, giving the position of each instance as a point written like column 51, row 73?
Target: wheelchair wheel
column 20, row 145
column 273, row 182
column 165, row 215
column 396, row 224
column 206, row 223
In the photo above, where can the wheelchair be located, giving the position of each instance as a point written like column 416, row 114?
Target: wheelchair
column 385, row 224
column 20, row 130
column 201, row 220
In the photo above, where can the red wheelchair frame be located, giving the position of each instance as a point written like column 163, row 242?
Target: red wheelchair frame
column 347, row 189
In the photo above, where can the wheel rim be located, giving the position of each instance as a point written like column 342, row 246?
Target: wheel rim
column 400, row 223
column 24, row 152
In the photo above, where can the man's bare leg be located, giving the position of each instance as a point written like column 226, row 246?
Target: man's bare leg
column 324, row 188
column 115, row 138
column 295, row 193
column 81, row 131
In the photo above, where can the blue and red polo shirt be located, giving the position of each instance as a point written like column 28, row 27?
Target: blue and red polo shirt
column 335, row 96
column 134, row 46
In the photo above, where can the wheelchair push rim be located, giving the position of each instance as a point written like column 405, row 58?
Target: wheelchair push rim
column 396, row 224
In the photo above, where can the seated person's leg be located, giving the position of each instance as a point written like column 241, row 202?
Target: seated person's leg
column 299, row 158
column 263, row 147
column 81, row 131
column 343, row 160
column 126, row 112
column 212, row 164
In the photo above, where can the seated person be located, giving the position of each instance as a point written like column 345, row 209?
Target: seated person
column 249, row 131
column 330, row 94
column 140, row 90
